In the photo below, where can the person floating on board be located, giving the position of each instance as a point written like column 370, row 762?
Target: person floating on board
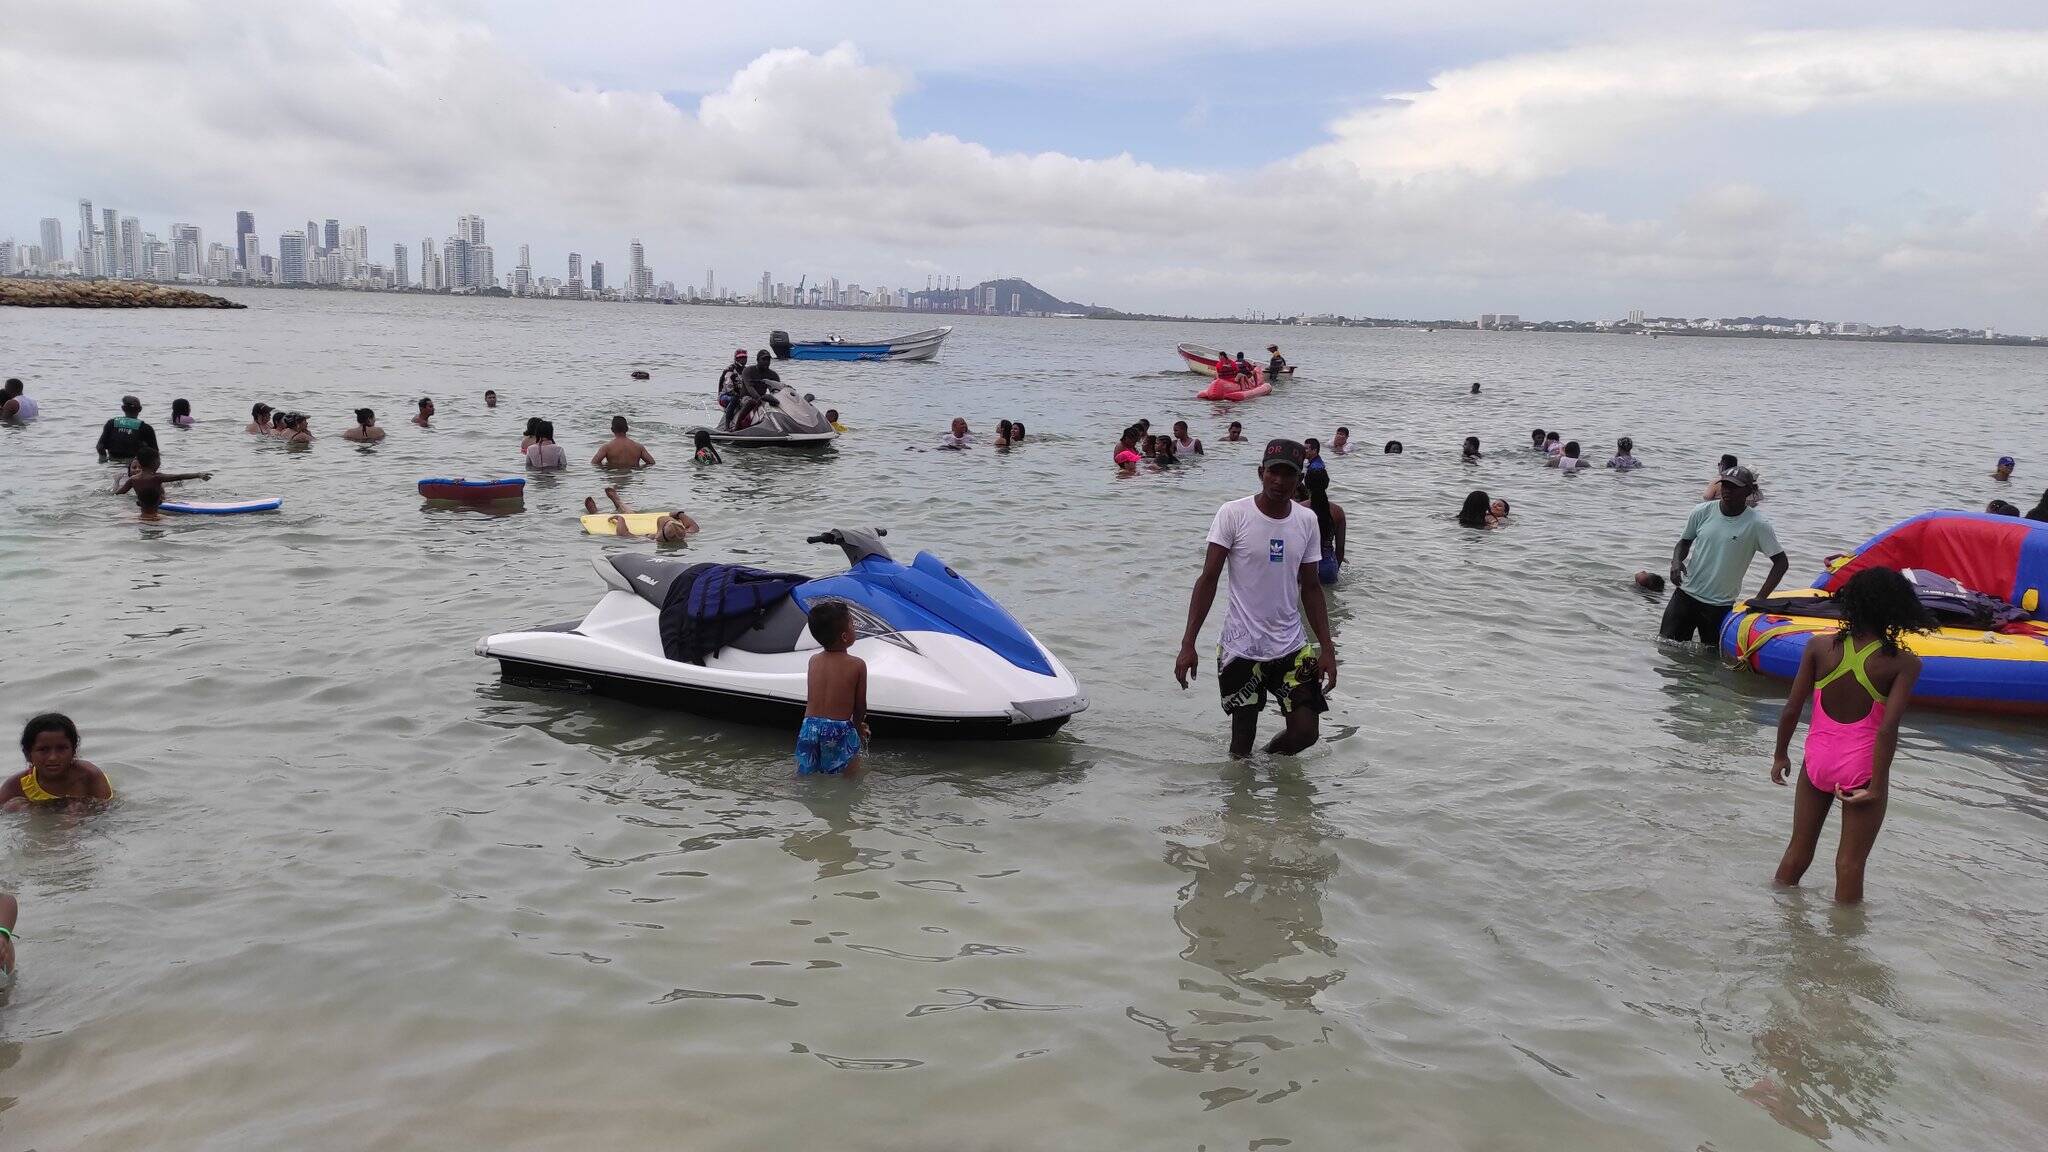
column 147, row 482
column 669, row 528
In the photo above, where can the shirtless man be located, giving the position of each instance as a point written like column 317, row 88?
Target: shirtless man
column 426, row 413
column 621, row 451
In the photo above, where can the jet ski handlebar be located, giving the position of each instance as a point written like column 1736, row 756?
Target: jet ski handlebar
column 857, row 543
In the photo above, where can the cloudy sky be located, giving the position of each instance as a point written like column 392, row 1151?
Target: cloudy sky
column 1850, row 161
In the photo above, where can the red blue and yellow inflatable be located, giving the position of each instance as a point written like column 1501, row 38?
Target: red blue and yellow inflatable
column 1981, row 670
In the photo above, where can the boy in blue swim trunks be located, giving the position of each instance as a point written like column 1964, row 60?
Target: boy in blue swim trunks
column 836, row 702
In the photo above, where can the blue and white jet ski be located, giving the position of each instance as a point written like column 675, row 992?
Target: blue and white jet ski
column 944, row 660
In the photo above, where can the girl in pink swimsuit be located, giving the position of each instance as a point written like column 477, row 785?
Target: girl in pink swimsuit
column 1859, row 680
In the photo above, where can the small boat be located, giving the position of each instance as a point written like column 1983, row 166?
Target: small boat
column 1964, row 666
column 916, row 346
column 473, row 491
column 1204, row 360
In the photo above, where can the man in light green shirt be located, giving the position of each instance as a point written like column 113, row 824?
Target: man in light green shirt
column 1721, row 538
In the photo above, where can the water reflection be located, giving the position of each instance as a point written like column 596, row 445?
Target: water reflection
column 1827, row 1061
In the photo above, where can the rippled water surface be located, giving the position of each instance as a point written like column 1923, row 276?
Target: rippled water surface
column 357, row 894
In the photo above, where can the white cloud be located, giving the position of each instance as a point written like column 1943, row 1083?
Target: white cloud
column 402, row 115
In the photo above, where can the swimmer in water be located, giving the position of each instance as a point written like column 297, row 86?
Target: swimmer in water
column 56, row 777
column 1497, row 510
column 1650, row 582
column 1471, row 449
column 707, row 452
column 669, row 528
column 1182, row 442
column 1236, row 433
column 147, row 483
column 490, row 398
column 832, row 418
column 366, row 430
column 2003, row 469
column 621, row 451
column 259, row 420
column 1862, row 672
column 181, row 413
column 425, row 418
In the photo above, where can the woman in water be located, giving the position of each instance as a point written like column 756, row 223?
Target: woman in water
column 296, row 431
column 533, row 424
column 669, row 527
column 1568, row 462
column 1329, row 522
column 259, row 420
column 1862, row 673
column 1016, row 432
column 366, row 430
column 56, row 777
column 1477, row 510
column 1471, row 449
column 181, row 413
column 544, row 454
column 1125, row 454
column 706, row 453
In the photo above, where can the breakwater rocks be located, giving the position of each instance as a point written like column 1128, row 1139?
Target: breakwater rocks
column 103, row 294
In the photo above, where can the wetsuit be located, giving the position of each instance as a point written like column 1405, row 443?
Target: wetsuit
column 122, row 436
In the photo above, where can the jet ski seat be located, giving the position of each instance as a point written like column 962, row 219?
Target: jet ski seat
column 777, row 632
column 649, row 576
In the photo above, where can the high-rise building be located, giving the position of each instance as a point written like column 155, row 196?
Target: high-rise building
column 597, row 277
column 110, row 243
column 252, row 259
column 522, row 276
column 331, row 236
column 642, row 285
column 291, row 258
column 471, row 229
column 483, row 269
column 430, row 275
column 220, row 262
column 131, row 248
column 710, row 283
column 245, row 227
column 185, row 250
column 767, row 290
column 399, row 279
column 7, row 255
column 312, row 239
column 453, row 262
column 576, row 267
column 53, row 241
column 87, row 262
column 1016, row 302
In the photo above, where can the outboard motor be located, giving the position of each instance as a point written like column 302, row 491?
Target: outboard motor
column 778, row 341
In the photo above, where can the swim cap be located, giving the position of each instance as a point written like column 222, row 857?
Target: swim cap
column 2007, row 462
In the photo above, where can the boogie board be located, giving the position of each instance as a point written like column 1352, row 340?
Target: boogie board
column 638, row 523
column 222, row 507
column 473, row 491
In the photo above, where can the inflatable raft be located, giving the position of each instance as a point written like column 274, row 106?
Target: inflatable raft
column 1966, row 665
column 1234, row 390
column 473, row 491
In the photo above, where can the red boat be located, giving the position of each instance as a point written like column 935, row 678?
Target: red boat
column 1204, row 360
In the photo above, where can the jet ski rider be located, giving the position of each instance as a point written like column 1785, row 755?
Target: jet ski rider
column 751, row 390
column 729, row 376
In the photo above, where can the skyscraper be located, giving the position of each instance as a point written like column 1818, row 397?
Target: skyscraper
column 453, row 263
column 86, row 260
column 764, row 296
column 399, row 279
column 312, row 239
column 597, row 277
column 131, row 248
column 471, row 229
column 333, row 235
column 53, row 241
column 483, row 268
column 291, row 258
column 636, row 263
column 710, row 284
column 186, row 250
column 430, row 274
column 245, row 227
column 574, row 288
column 110, row 241
column 252, row 259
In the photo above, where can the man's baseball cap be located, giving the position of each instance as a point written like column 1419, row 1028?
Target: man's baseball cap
column 1288, row 452
column 1739, row 478
column 739, row 351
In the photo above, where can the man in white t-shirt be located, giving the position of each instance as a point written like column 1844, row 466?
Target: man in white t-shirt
column 1271, row 545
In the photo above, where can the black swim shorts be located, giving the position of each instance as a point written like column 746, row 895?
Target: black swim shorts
column 1295, row 681
column 1686, row 615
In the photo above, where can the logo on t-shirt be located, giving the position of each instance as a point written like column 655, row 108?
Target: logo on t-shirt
column 1276, row 550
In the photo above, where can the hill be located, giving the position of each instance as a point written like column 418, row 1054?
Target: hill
column 1011, row 296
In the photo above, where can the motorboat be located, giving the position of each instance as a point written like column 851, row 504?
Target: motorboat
column 916, row 346
column 944, row 660
column 784, row 419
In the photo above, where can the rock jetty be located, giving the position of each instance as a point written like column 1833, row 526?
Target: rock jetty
column 103, row 294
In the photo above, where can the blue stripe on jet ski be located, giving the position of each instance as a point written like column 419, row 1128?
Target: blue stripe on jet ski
column 930, row 597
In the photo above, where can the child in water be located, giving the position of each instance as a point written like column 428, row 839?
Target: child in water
column 1860, row 672
column 835, row 727
column 181, row 413
column 147, row 483
column 706, row 453
column 832, row 418
column 56, row 776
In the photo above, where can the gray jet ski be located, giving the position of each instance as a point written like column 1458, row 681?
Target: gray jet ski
column 785, row 418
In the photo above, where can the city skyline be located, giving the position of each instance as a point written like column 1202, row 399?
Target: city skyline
column 1795, row 161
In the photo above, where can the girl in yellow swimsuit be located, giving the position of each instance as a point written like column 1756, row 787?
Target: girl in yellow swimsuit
column 55, row 775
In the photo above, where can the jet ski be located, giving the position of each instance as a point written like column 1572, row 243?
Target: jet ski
column 784, row 418
column 944, row 660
